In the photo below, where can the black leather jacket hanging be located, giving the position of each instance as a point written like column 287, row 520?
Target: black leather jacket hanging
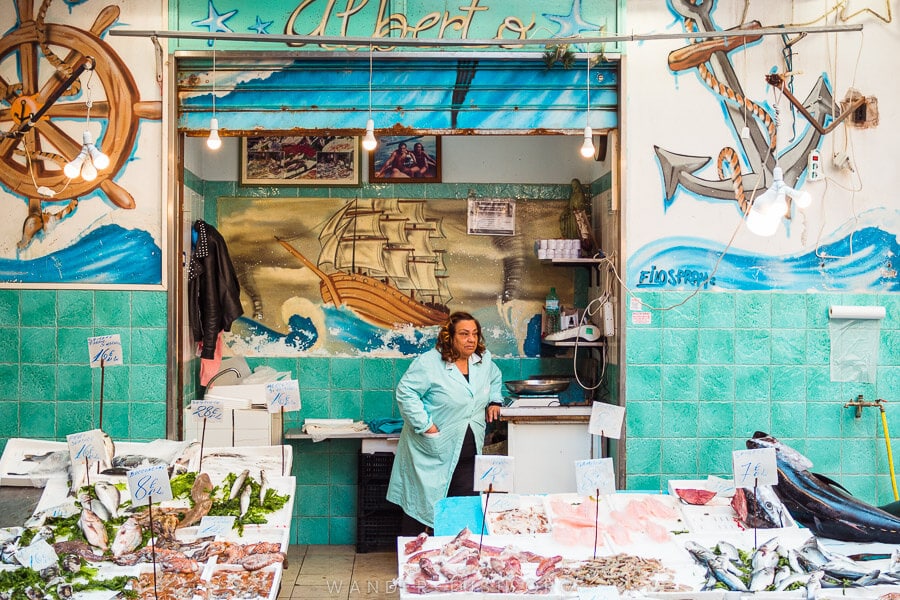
column 214, row 295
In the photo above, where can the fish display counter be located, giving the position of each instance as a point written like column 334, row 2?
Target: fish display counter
column 803, row 538
column 637, row 545
column 224, row 533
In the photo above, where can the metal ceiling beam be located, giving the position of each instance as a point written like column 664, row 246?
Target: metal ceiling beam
column 299, row 40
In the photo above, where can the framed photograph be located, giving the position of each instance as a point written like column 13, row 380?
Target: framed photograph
column 300, row 160
column 406, row 159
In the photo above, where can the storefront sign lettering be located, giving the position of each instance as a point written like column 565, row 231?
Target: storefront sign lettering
column 657, row 278
column 436, row 24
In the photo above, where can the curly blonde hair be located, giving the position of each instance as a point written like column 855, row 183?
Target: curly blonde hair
column 444, row 342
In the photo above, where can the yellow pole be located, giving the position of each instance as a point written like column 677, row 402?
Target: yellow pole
column 887, row 442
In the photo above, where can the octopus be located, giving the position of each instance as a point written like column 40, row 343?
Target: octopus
column 201, row 497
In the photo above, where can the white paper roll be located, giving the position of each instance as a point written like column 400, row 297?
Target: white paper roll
column 856, row 312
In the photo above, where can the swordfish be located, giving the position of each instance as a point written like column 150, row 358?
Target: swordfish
column 814, row 502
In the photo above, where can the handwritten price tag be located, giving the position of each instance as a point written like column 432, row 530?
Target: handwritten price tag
column 595, row 474
column 214, row 526
column 283, row 394
column 211, row 410
column 493, row 472
column 606, row 420
column 149, row 483
column 502, row 502
column 105, row 347
column 754, row 467
column 88, row 446
column 38, row 556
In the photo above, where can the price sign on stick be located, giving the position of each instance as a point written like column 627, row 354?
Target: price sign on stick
column 105, row 348
column 493, row 472
column 211, row 410
column 606, row 420
column 754, row 467
column 146, row 483
column 213, row 526
column 38, row 555
column 283, row 395
column 502, row 503
column 88, row 446
column 595, row 474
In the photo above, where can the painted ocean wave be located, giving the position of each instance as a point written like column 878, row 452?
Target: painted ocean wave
column 344, row 329
column 109, row 254
column 862, row 260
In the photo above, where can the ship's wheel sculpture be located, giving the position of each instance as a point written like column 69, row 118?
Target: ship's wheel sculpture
column 33, row 151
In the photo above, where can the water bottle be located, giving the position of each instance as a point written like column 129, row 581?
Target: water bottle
column 551, row 312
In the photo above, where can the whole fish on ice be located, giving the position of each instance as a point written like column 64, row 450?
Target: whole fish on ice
column 818, row 505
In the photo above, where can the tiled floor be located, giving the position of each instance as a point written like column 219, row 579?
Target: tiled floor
column 338, row 573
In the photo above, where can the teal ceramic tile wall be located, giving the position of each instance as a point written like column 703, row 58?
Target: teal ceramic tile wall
column 48, row 388
column 700, row 379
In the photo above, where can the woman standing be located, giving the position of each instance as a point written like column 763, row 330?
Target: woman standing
column 445, row 398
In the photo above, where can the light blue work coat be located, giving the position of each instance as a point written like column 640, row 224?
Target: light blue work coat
column 434, row 391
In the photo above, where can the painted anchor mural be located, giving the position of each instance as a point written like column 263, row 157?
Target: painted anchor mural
column 858, row 255
column 710, row 59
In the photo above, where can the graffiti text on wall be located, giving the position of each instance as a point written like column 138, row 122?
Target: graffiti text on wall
column 432, row 24
column 659, row 278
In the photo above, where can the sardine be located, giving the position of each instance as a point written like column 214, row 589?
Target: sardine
column 814, row 585
column 245, row 499
column 765, row 556
column 122, row 464
column 719, row 568
column 128, row 537
column 729, row 551
column 263, row 486
column 109, row 496
column 781, row 574
column 99, row 509
column 761, row 579
column 57, row 462
column 238, row 484
column 94, row 529
column 817, row 505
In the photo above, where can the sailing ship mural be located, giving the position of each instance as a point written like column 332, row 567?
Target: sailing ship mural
column 377, row 258
column 378, row 276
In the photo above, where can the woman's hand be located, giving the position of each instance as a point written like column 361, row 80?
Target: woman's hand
column 432, row 429
column 493, row 413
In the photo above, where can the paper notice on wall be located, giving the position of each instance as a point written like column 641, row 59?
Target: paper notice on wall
column 854, row 349
column 491, row 217
column 641, row 317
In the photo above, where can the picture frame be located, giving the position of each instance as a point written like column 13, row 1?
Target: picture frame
column 425, row 169
column 302, row 160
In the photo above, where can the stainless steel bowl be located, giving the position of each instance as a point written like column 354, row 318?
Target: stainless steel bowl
column 550, row 385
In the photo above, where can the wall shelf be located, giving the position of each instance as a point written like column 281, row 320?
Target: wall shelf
column 568, row 344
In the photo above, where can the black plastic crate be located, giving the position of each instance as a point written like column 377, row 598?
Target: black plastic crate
column 378, row 531
column 375, row 467
column 371, row 497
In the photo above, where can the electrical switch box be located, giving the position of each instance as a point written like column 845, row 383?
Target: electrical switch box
column 814, row 166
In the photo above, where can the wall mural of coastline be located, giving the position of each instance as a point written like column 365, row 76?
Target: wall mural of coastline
column 333, row 277
column 767, row 133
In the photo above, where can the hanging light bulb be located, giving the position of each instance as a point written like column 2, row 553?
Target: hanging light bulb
column 587, row 147
column 369, row 142
column 770, row 206
column 100, row 160
column 213, row 142
column 73, row 168
column 88, row 171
